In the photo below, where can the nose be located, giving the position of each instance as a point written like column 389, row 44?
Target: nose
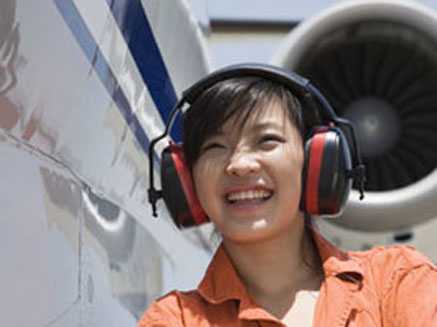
column 242, row 163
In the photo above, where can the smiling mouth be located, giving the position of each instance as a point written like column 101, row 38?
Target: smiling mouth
column 248, row 197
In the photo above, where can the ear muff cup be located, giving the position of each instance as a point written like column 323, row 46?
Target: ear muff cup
column 178, row 190
column 325, row 181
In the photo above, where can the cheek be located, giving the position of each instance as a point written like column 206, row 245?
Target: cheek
column 291, row 170
column 292, row 184
column 204, row 180
column 291, row 159
column 197, row 178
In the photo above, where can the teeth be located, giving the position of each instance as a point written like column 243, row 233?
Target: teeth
column 248, row 195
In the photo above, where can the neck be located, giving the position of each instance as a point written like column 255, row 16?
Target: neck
column 276, row 267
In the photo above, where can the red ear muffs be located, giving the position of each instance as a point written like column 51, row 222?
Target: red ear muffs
column 325, row 181
column 178, row 189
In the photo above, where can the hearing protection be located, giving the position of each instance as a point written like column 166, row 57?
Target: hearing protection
column 332, row 159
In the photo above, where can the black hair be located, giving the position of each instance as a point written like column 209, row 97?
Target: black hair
column 235, row 97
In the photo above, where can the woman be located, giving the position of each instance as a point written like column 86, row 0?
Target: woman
column 244, row 146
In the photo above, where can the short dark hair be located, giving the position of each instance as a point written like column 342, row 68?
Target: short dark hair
column 242, row 96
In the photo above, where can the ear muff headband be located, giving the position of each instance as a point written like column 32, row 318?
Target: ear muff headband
column 298, row 85
column 306, row 93
column 295, row 83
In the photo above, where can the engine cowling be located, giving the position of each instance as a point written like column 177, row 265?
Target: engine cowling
column 376, row 61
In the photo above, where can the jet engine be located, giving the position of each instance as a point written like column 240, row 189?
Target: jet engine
column 376, row 62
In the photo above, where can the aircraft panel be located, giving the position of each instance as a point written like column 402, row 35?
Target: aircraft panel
column 76, row 115
column 40, row 236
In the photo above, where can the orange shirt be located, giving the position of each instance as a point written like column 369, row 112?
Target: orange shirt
column 394, row 286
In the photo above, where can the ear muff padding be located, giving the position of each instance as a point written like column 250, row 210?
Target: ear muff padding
column 178, row 189
column 326, row 184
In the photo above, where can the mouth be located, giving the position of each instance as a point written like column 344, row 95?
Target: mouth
column 249, row 196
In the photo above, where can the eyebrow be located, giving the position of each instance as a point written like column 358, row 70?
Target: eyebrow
column 265, row 125
column 216, row 134
column 211, row 138
column 256, row 128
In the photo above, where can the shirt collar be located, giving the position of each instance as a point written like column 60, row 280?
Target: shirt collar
column 221, row 281
column 335, row 261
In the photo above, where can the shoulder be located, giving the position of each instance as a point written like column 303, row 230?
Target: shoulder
column 169, row 310
column 390, row 266
column 395, row 257
column 406, row 281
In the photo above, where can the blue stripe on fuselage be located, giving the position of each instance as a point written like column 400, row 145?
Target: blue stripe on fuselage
column 138, row 35
column 92, row 51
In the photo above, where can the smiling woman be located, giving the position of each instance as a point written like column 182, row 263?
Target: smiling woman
column 265, row 154
column 251, row 158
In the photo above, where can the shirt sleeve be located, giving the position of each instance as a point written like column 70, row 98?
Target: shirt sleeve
column 166, row 312
column 411, row 298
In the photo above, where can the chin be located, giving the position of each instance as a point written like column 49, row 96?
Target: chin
column 253, row 234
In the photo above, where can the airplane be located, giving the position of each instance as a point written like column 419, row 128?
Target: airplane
column 84, row 87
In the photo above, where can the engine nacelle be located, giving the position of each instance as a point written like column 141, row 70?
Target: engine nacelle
column 376, row 61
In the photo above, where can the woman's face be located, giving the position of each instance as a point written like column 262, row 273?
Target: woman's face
column 248, row 179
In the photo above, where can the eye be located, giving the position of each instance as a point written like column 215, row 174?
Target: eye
column 269, row 141
column 271, row 138
column 212, row 145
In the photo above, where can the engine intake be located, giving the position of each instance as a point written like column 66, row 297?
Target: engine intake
column 376, row 61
